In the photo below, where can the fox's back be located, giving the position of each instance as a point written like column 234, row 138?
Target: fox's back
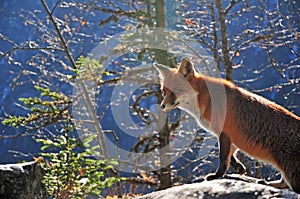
column 266, row 124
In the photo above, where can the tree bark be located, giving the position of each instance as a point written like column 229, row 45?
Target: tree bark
column 224, row 40
column 164, row 133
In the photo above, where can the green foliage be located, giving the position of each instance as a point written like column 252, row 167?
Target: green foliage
column 89, row 69
column 70, row 167
column 46, row 109
column 73, row 174
column 50, row 106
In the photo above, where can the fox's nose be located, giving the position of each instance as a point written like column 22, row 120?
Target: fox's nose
column 162, row 106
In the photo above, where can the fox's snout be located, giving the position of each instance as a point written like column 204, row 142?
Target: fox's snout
column 163, row 106
column 167, row 105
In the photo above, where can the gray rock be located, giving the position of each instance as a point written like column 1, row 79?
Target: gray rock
column 230, row 188
column 22, row 180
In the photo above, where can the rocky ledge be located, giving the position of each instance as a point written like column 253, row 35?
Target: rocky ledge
column 21, row 181
column 24, row 181
column 229, row 187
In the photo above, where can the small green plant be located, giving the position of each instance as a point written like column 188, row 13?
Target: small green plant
column 70, row 167
column 70, row 173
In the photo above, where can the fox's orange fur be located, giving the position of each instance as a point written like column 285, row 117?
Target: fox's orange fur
column 243, row 120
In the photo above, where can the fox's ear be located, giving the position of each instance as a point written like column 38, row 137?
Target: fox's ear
column 186, row 67
column 162, row 69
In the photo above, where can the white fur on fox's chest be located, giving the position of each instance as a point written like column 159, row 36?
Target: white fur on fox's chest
column 190, row 105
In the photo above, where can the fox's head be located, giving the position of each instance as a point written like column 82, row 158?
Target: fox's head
column 176, row 86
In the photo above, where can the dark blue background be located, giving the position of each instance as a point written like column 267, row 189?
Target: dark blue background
column 12, row 26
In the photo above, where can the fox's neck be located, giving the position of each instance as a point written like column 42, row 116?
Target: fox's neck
column 191, row 106
column 208, row 107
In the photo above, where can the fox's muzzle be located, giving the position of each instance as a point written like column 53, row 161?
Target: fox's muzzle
column 169, row 106
column 169, row 101
column 163, row 106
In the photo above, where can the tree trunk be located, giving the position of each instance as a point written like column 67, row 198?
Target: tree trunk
column 224, row 40
column 164, row 134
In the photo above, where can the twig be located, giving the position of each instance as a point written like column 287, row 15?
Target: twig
column 230, row 6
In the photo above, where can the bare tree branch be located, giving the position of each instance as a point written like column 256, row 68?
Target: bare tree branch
column 230, row 6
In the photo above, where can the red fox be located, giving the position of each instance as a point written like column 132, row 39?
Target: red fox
column 251, row 123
